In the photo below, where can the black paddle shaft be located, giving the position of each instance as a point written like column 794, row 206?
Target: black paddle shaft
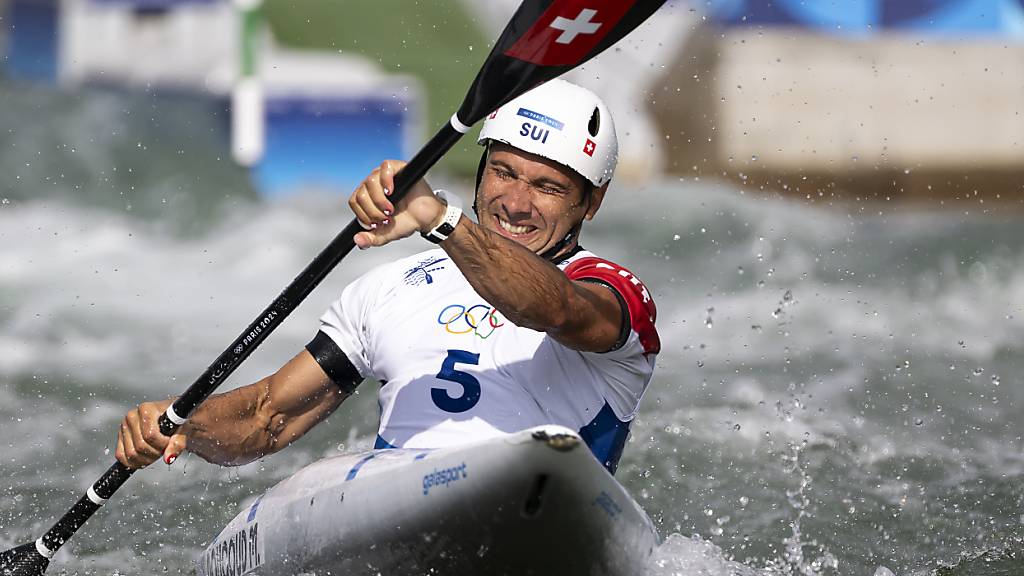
column 252, row 337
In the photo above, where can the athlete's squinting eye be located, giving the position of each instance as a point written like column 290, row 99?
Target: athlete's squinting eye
column 502, row 173
column 505, row 174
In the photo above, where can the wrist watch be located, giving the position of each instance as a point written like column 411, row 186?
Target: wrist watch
column 452, row 214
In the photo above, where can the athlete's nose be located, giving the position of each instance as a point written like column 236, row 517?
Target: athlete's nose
column 517, row 200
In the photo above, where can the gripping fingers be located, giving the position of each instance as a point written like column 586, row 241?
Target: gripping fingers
column 119, row 453
column 387, row 175
column 138, row 451
column 371, row 215
column 364, row 220
column 372, row 196
column 126, row 447
column 176, row 447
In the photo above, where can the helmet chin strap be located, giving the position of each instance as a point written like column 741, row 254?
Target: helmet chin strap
column 479, row 177
column 555, row 253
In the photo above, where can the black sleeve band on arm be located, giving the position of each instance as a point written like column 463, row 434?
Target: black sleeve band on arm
column 334, row 363
column 625, row 326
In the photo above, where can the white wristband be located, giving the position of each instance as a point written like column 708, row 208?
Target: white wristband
column 452, row 214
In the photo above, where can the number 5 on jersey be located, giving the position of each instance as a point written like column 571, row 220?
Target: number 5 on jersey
column 470, row 385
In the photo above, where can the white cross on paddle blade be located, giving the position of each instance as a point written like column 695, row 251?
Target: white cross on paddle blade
column 572, row 28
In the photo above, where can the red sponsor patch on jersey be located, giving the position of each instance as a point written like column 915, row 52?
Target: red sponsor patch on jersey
column 640, row 305
column 568, row 30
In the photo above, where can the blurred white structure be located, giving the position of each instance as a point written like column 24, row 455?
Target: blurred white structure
column 194, row 46
column 179, row 47
column 892, row 115
column 814, row 102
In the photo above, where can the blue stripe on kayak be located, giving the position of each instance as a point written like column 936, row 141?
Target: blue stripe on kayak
column 421, row 456
column 355, row 469
column 252, row 510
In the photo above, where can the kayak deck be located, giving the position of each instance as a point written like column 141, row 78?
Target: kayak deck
column 534, row 502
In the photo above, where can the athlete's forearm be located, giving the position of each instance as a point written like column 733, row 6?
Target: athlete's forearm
column 231, row 429
column 528, row 290
column 253, row 421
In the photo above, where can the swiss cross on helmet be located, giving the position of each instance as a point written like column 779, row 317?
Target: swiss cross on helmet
column 562, row 122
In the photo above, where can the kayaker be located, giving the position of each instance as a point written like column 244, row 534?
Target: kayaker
column 506, row 324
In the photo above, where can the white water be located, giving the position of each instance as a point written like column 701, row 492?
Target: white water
column 879, row 348
column 891, row 368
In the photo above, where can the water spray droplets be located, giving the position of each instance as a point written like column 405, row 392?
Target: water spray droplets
column 786, row 302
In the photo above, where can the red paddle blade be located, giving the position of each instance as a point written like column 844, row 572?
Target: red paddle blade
column 544, row 39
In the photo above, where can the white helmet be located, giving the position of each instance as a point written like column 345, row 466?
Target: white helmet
column 562, row 122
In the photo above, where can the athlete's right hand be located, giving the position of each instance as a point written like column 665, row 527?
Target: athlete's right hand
column 140, row 442
column 386, row 222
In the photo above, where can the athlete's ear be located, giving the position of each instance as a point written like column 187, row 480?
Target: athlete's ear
column 594, row 203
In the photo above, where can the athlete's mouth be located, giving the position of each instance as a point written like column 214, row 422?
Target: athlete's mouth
column 515, row 229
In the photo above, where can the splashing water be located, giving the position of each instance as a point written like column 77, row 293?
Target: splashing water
column 830, row 437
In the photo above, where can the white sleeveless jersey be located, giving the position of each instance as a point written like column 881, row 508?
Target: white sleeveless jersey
column 453, row 369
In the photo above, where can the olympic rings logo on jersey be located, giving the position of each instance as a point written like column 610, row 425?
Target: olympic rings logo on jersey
column 481, row 320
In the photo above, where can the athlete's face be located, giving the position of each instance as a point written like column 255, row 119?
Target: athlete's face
column 532, row 200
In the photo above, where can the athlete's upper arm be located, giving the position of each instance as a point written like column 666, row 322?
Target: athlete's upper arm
column 594, row 319
column 611, row 304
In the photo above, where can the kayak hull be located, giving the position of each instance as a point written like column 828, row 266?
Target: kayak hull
column 535, row 502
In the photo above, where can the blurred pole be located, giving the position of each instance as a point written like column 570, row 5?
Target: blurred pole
column 247, row 114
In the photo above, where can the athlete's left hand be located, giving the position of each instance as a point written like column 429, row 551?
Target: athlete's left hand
column 385, row 222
